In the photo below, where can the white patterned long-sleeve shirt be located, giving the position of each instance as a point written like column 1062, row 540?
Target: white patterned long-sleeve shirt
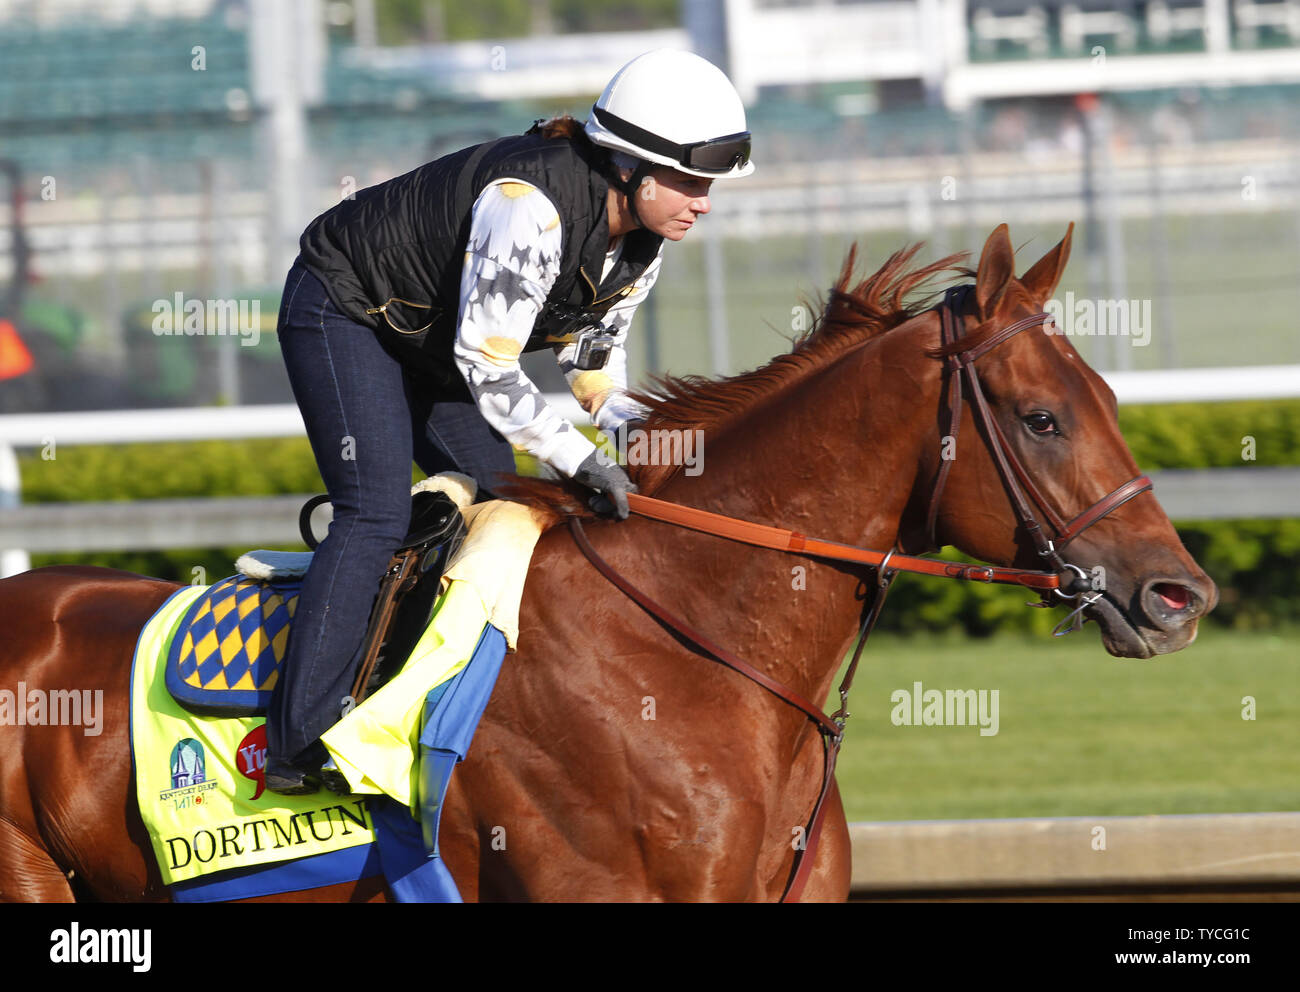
column 512, row 260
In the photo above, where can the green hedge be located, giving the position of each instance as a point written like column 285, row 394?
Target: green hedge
column 1211, row 435
column 1256, row 563
column 171, row 470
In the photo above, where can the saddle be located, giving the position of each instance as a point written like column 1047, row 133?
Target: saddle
column 225, row 658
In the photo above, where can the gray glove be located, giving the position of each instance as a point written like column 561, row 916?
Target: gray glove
column 609, row 480
column 620, row 437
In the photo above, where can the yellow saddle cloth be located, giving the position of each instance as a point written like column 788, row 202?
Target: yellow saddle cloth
column 199, row 778
column 199, row 781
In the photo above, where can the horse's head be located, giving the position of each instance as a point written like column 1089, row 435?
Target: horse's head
column 1058, row 420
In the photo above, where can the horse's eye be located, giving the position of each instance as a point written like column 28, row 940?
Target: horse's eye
column 1040, row 423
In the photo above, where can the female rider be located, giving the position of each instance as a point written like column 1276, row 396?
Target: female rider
column 406, row 312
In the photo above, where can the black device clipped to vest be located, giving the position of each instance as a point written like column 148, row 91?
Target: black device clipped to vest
column 594, row 347
column 594, row 342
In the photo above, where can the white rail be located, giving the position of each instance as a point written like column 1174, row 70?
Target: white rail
column 33, row 430
column 1248, row 382
column 1258, row 493
column 38, row 430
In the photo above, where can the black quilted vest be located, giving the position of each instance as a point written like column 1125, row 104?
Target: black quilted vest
column 400, row 245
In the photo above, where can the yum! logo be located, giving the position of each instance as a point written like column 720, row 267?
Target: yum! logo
column 250, row 760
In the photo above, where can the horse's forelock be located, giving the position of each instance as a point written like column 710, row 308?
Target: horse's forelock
column 986, row 329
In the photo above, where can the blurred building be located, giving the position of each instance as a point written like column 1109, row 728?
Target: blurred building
column 157, row 147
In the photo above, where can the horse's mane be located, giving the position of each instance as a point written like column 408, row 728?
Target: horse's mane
column 853, row 315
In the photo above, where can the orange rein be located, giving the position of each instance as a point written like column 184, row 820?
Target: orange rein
column 763, row 536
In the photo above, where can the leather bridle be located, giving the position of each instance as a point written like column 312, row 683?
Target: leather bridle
column 961, row 378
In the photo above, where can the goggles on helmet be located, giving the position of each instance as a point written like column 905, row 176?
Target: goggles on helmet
column 719, row 155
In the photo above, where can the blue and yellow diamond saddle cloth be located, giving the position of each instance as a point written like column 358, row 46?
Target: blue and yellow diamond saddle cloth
column 216, row 833
column 226, row 656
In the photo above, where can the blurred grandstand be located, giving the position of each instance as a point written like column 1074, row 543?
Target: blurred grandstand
column 179, row 146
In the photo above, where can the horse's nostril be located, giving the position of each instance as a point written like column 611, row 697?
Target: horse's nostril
column 1175, row 597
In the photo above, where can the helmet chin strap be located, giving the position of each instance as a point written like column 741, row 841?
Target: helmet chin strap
column 632, row 185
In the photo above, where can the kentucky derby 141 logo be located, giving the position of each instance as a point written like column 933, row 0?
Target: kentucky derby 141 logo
column 188, row 779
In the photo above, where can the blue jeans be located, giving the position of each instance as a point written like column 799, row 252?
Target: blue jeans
column 367, row 420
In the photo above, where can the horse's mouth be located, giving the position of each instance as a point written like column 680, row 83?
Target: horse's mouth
column 1119, row 635
column 1131, row 634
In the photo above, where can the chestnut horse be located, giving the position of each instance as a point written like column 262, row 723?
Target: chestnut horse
column 614, row 762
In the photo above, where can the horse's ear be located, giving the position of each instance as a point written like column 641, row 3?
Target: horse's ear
column 997, row 269
column 1044, row 276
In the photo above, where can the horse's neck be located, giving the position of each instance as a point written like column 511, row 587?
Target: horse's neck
column 835, row 457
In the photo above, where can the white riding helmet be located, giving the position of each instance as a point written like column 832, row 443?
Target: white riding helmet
column 674, row 108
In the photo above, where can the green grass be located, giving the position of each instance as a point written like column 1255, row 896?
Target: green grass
column 1080, row 733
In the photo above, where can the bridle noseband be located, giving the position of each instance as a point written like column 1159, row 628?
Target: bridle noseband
column 959, row 369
